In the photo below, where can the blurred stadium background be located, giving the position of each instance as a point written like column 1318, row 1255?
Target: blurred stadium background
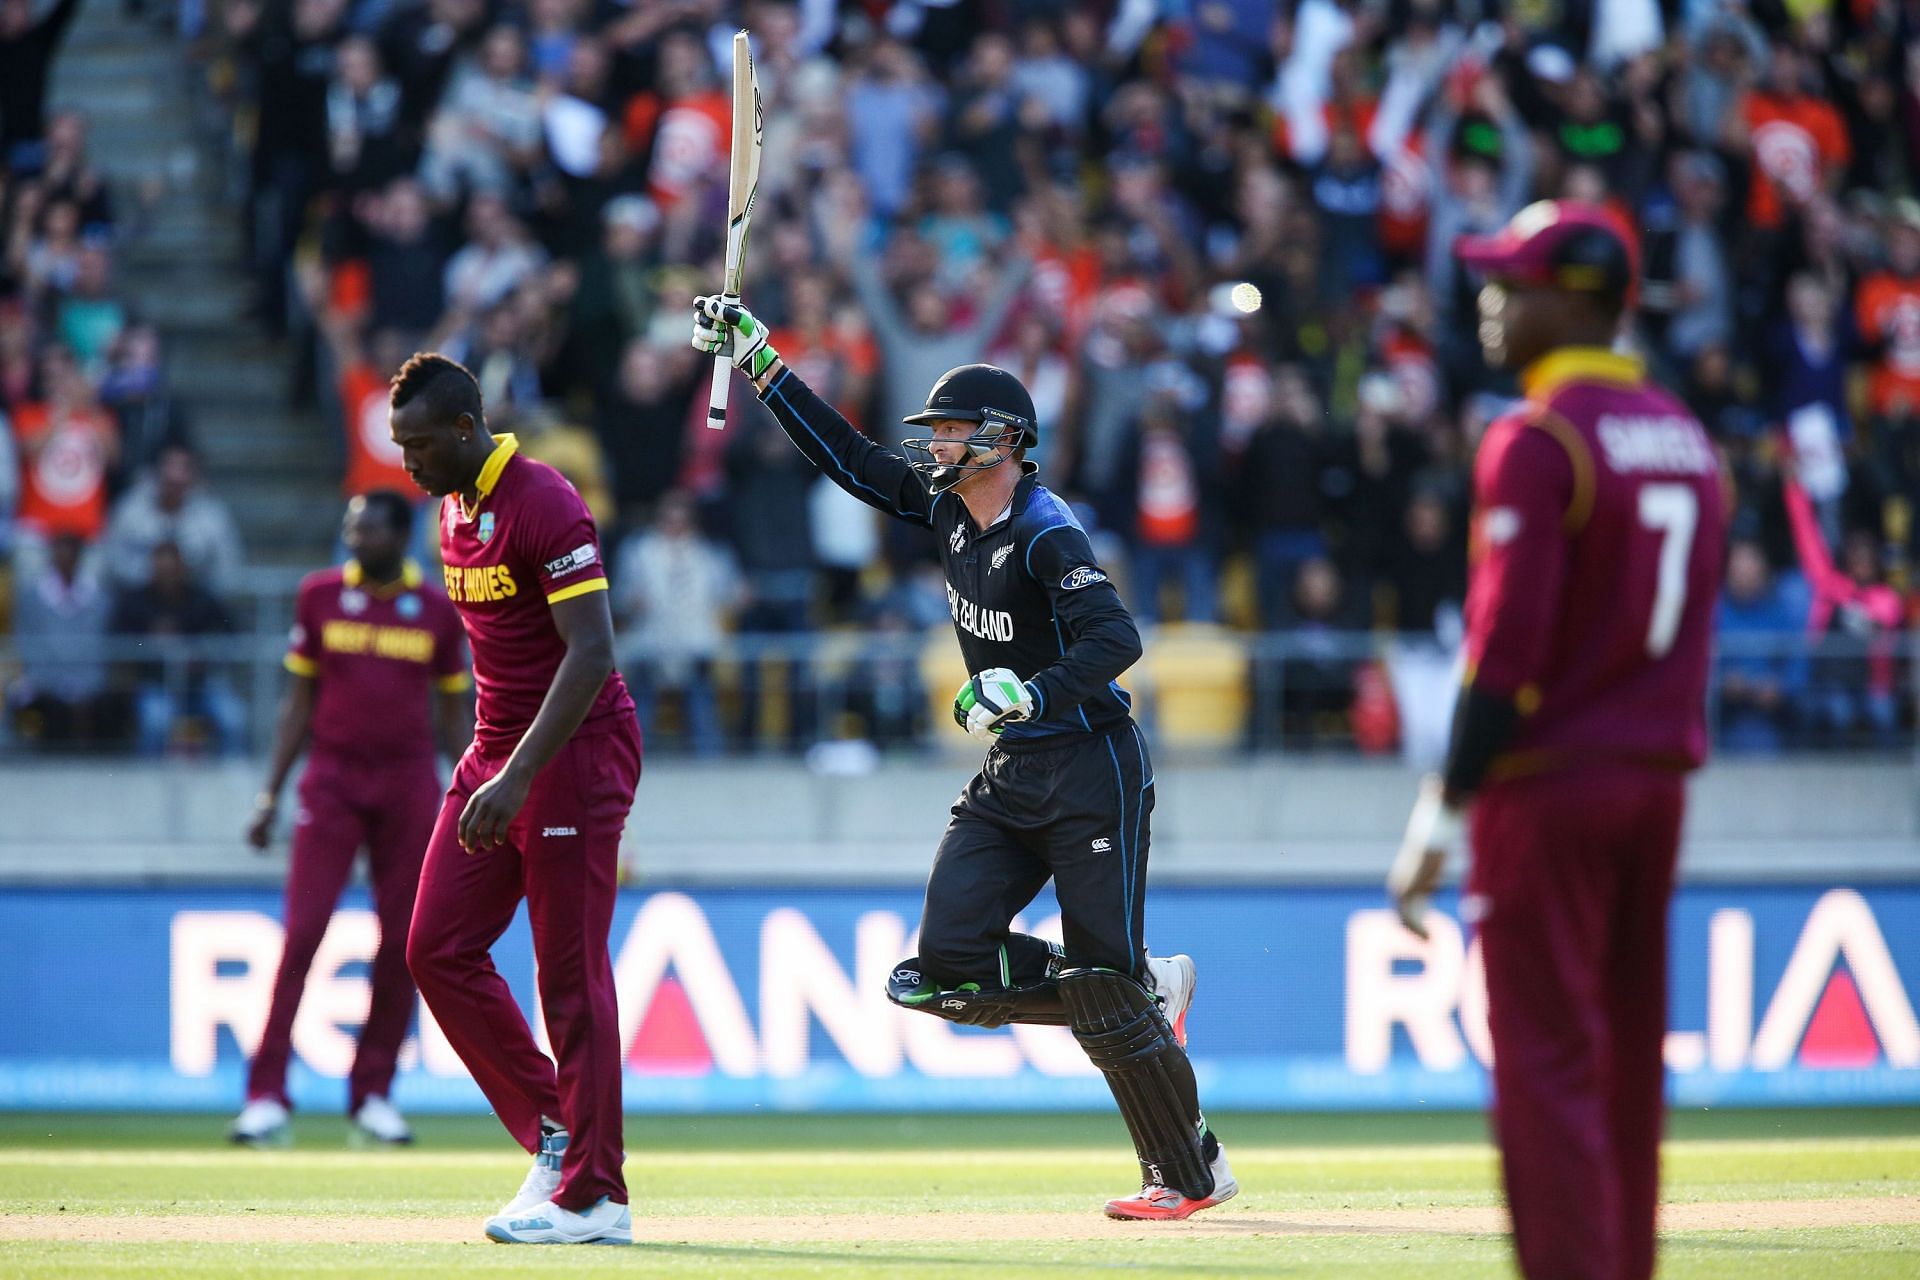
column 1211, row 237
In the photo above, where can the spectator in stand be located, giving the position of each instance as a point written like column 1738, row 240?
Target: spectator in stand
column 88, row 317
column 497, row 259
column 1799, row 142
column 1281, row 496
column 984, row 119
column 68, row 446
column 1368, row 480
column 770, row 485
column 173, row 689
column 643, row 420
column 171, row 508
column 688, row 114
column 291, row 49
column 1854, row 694
column 893, row 111
column 406, row 261
column 678, row 591
column 1317, row 679
column 27, row 45
column 922, row 339
column 134, row 387
column 366, row 373
column 366, row 141
column 1031, row 354
column 615, row 301
column 1430, row 569
column 70, row 175
column 1806, row 376
column 423, row 43
column 1483, row 177
column 964, row 234
column 1347, row 190
column 1763, row 668
column 1887, row 315
column 46, row 251
column 1167, row 499
column 486, row 134
column 1695, row 313
column 60, row 696
column 501, row 353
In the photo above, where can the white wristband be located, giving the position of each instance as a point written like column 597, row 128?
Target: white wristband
column 1432, row 825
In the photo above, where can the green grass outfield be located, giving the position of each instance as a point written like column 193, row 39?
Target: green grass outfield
column 1754, row 1195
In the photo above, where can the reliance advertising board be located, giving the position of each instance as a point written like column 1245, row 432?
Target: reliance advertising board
column 736, row 999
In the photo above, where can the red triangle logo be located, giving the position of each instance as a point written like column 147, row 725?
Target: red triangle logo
column 670, row 1041
column 1839, row 1034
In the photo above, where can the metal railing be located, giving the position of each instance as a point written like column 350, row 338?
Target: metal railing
column 1202, row 691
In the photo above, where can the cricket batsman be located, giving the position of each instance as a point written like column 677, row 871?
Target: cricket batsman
column 535, row 811
column 1067, row 786
column 1598, row 531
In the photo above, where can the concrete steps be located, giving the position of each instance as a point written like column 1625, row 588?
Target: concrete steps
column 183, row 266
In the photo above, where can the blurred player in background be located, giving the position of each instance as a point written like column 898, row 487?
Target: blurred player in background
column 536, row 810
column 1067, row 786
column 379, row 674
column 1598, row 532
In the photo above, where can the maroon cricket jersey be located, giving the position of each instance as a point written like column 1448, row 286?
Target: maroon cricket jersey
column 527, row 544
column 1599, row 526
column 375, row 654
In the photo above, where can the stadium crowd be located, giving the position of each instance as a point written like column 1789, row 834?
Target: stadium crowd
column 1213, row 240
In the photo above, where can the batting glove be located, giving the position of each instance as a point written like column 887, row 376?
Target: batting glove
column 1433, row 834
column 991, row 701
column 722, row 327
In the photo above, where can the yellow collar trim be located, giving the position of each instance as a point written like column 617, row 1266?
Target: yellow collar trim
column 410, row 579
column 1580, row 364
column 504, row 447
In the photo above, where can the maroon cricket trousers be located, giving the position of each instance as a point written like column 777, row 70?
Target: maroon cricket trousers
column 562, row 854
column 389, row 808
column 1575, row 871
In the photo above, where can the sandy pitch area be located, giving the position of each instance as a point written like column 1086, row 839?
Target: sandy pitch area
column 276, row 1228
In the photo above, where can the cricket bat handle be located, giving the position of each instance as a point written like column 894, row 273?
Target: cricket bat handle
column 722, row 380
column 717, row 398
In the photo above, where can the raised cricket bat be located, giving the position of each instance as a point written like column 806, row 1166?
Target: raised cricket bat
column 743, row 182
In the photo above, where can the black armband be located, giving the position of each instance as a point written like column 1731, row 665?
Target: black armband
column 1482, row 724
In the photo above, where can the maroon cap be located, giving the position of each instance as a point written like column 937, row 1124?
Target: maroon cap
column 1557, row 244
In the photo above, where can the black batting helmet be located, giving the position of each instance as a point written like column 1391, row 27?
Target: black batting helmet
column 979, row 393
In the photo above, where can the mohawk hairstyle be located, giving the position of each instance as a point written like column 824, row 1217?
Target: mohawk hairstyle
column 443, row 386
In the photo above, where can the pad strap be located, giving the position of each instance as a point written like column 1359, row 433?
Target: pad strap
column 974, row 1006
column 1120, row 1025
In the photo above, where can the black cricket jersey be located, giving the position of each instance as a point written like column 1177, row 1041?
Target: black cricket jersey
column 1025, row 592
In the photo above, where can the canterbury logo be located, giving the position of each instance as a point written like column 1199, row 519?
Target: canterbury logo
column 1102, row 845
column 559, row 831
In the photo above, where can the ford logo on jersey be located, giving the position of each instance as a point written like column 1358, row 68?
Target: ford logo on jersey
column 1085, row 576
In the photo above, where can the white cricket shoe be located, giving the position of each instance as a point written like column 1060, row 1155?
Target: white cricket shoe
column 262, row 1122
column 1155, row 1203
column 547, row 1223
column 542, row 1180
column 1174, row 979
column 382, row 1121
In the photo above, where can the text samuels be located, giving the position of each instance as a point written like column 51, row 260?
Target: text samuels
column 982, row 624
